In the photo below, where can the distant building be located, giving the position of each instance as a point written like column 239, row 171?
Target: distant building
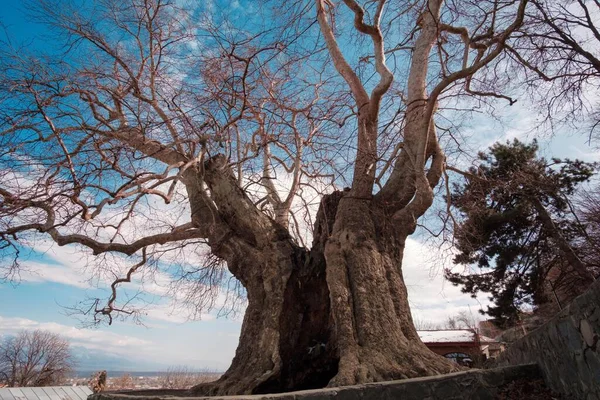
column 462, row 346
column 45, row 393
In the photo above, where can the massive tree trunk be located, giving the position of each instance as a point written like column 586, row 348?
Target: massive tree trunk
column 286, row 342
column 336, row 314
column 376, row 336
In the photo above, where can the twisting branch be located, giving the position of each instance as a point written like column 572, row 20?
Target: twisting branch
column 110, row 305
column 339, row 61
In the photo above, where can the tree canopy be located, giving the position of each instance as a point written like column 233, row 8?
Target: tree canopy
column 519, row 224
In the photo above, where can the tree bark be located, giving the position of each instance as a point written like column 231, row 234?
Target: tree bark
column 286, row 342
column 568, row 252
column 336, row 314
column 373, row 326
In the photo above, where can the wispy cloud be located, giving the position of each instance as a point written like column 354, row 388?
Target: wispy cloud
column 172, row 313
column 88, row 338
column 39, row 272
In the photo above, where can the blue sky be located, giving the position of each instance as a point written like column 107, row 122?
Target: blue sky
column 57, row 277
column 55, row 281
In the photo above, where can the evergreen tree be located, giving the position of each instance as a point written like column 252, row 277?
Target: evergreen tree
column 518, row 225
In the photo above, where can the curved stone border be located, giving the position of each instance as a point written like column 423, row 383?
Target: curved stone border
column 467, row 385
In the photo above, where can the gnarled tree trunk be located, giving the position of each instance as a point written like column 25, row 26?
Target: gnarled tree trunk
column 372, row 321
column 336, row 314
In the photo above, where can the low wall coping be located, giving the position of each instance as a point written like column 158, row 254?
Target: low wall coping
column 472, row 384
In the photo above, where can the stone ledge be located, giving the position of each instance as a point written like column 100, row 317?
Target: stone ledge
column 467, row 385
column 566, row 348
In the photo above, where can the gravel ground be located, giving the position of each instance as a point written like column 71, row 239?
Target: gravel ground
column 528, row 390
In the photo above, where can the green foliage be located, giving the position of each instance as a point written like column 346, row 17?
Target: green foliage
column 502, row 233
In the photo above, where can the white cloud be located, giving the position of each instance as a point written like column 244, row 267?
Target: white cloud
column 56, row 273
column 305, row 202
column 172, row 313
column 431, row 297
column 88, row 338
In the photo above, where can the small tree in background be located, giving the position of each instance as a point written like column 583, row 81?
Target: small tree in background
column 97, row 381
column 519, row 229
column 123, row 382
column 35, row 358
column 464, row 320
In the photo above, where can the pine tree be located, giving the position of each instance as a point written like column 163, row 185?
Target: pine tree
column 518, row 225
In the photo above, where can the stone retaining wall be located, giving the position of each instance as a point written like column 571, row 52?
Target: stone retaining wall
column 468, row 385
column 566, row 348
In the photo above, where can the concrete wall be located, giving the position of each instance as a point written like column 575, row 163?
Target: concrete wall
column 566, row 348
column 468, row 385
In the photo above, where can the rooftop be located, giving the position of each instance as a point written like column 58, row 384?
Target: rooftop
column 46, row 393
column 452, row 336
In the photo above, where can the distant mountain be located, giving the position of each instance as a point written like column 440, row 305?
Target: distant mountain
column 97, row 360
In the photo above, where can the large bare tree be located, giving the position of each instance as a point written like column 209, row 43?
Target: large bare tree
column 34, row 358
column 149, row 102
